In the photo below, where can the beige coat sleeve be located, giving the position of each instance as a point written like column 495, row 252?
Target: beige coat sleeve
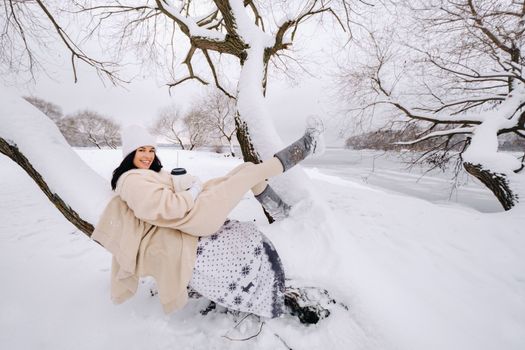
column 182, row 182
column 152, row 201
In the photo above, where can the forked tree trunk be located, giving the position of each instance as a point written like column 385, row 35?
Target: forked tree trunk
column 14, row 153
column 496, row 182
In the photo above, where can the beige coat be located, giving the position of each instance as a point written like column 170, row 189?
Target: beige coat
column 129, row 229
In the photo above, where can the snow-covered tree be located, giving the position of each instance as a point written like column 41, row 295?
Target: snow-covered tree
column 250, row 33
column 35, row 143
column 456, row 67
column 246, row 35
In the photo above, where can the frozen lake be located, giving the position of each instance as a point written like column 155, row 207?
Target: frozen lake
column 388, row 171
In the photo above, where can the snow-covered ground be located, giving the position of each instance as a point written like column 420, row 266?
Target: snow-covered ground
column 415, row 270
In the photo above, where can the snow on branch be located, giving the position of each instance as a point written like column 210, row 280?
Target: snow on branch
column 204, row 33
column 439, row 118
column 189, row 25
column 462, row 130
column 507, row 111
column 34, row 142
column 245, row 28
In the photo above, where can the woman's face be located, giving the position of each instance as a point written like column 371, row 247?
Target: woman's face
column 144, row 156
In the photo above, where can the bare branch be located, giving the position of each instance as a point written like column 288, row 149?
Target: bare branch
column 212, row 67
column 258, row 19
column 187, row 62
column 480, row 25
column 101, row 67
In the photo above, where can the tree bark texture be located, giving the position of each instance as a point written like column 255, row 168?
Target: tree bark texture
column 14, row 153
column 249, row 153
column 496, row 182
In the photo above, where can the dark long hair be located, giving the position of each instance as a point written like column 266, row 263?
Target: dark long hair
column 127, row 164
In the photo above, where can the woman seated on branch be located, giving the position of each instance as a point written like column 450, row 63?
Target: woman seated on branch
column 175, row 229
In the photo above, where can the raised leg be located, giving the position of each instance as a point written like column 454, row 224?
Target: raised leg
column 219, row 196
column 272, row 203
column 302, row 148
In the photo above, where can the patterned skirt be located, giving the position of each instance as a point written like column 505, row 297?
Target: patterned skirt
column 239, row 268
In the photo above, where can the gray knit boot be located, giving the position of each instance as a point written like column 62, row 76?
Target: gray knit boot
column 301, row 148
column 273, row 204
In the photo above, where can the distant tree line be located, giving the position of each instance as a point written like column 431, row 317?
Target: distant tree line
column 208, row 122
column 389, row 139
column 510, row 142
column 394, row 140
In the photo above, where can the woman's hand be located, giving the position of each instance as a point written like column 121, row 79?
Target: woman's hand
column 195, row 188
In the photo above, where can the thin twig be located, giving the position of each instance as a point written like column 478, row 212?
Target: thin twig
column 248, row 338
column 282, row 340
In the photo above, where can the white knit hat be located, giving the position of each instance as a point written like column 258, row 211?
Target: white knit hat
column 135, row 136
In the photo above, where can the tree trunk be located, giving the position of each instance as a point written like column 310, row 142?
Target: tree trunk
column 232, row 150
column 249, row 153
column 13, row 153
column 496, row 182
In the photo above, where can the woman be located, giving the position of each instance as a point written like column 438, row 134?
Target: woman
column 175, row 229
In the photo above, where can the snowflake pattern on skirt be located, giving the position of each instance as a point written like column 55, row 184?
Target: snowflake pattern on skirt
column 239, row 268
